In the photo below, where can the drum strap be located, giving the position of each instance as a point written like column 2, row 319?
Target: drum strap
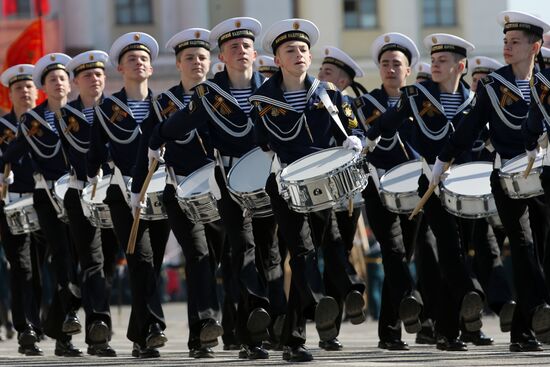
column 118, row 179
column 542, row 110
column 426, row 170
column 374, row 175
column 172, row 179
column 546, row 158
column 276, row 168
column 497, row 164
column 212, row 183
column 40, row 183
column 332, row 110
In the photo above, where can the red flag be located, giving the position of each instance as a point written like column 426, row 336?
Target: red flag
column 9, row 7
column 25, row 49
column 41, row 7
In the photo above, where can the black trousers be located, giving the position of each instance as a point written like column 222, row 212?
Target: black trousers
column 545, row 252
column 252, row 287
column 529, row 282
column 88, row 241
column 66, row 292
column 391, row 231
column 457, row 279
column 143, row 265
column 25, row 302
column 200, row 265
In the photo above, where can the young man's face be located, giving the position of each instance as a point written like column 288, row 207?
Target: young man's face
column 90, row 82
column 135, row 65
column 56, row 84
column 331, row 73
column 445, row 66
column 475, row 80
column 517, row 47
column 238, row 54
column 294, row 57
column 193, row 63
column 23, row 94
column 394, row 69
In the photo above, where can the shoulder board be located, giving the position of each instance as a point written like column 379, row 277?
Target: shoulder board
column 201, row 90
column 411, row 91
column 330, row 86
column 358, row 102
column 487, row 80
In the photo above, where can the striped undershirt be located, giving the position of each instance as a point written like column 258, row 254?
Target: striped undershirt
column 242, row 95
column 186, row 99
column 392, row 101
column 139, row 109
column 297, row 99
column 89, row 113
column 49, row 116
column 524, row 87
column 450, row 103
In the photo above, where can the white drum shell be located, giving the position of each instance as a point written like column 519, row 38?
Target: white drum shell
column 98, row 211
column 195, row 198
column 512, row 180
column 399, row 187
column 21, row 216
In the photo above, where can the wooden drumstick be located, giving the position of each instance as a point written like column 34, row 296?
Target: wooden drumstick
column 7, row 170
column 350, row 207
column 135, row 224
column 94, row 187
column 427, row 195
column 530, row 164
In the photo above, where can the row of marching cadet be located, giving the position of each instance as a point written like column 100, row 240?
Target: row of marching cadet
column 246, row 169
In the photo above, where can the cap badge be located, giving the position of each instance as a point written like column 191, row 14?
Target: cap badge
column 506, row 18
column 327, row 51
column 434, row 40
column 478, row 61
column 52, row 57
column 137, row 36
column 238, row 24
column 261, row 62
column 420, row 68
column 197, row 34
column 387, row 39
column 296, row 25
column 91, row 57
column 21, row 69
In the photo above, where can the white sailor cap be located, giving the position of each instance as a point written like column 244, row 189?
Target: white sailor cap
column 47, row 63
column 133, row 41
column 265, row 64
column 294, row 29
column 520, row 21
column 443, row 42
column 341, row 59
column 423, row 70
column 217, row 67
column 190, row 37
column 483, row 64
column 16, row 73
column 87, row 60
column 394, row 41
column 240, row 27
column 545, row 51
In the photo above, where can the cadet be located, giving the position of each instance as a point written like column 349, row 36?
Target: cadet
column 120, row 122
column 265, row 65
column 503, row 100
column 39, row 136
column 423, row 72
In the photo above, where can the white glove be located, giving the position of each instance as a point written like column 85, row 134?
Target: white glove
column 135, row 203
column 6, row 180
column 353, row 143
column 543, row 141
column 156, row 154
column 371, row 144
column 437, row 171
column 532, row 154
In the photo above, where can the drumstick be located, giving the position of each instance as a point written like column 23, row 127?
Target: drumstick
column 135, row 224
column 350, row 207
column 7, row 169
column 94, row 186
column 530, row 164
column 427, row 195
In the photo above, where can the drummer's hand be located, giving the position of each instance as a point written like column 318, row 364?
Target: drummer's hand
column 371, row 144
column 353, row 143
column 532, row 154
column 134, row 201
column 93, row 180
column 156, row 154
column 437, row 171
column 6, row 180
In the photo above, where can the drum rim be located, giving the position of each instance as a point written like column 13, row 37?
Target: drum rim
column 192, row 174
column 412, row 161
column 229, row 175
column 314, row 178
column 534, row 170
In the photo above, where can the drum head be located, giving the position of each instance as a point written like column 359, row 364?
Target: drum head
column 61, row 186
column 402, row 178
column 519, row 163
column 317, row 163
column 21, row 203
column 158, row 181
column 197, row 182
column 470, row 179
column 100, row 192
column 250, row 172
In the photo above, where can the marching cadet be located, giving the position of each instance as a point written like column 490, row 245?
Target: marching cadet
column 435, row 107
column 480, row 67
column 265, row 65
column 503, row 100
column 216, row 67
column 292, row 100
column 423, row 72
column 395, row 55
column 120, row 122
column 39, row 136
column 74, row 124
column 183, row 157
column 221, row 106
column 25, row 303
column 341, row 70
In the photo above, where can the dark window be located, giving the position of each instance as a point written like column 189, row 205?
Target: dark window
column 360, row 14
column 134, row 12
column 439, row 13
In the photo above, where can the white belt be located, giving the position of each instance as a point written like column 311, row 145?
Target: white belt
column 170, row 181
column 75, row 183
column 228, row 160
column 499, row 162
column 41, row 183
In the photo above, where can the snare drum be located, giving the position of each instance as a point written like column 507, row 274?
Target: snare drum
column 154, row 208
column 96, row 210
column 512, row 181
column 399, row 187
column 357, row 200
column 59, row 190
column 21, row 216
column 323, row 179
column 246, row 183
column 466, row 191
column 195, row 197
